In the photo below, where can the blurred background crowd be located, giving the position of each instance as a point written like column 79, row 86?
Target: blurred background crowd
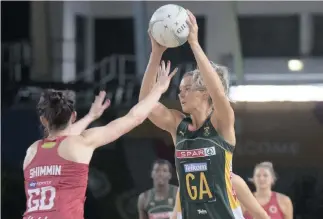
column 274, row 51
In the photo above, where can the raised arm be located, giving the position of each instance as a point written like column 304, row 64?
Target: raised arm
column 99, row 136
column 96, row 110
column 170, row 117
column 246, row 198
column 224, row 113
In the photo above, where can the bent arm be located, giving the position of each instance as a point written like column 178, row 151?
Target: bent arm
column 224, row 112
column 169, row 119
column 99, row 136
column 246, row 198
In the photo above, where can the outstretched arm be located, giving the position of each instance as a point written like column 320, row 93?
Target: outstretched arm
column 246, row 198
column 78, row 127
column 170, row 117
column 224, row 113
column 96, row 137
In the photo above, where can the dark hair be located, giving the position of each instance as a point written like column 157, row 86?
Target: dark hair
column 163, row 162
column 56, row 107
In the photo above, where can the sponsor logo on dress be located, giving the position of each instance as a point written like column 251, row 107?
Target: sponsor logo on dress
column 206, row 131
column 32, row 184
column 201, row 152
column 195, row 167
column 160, row 215
column 201, row 211
column 273, row 209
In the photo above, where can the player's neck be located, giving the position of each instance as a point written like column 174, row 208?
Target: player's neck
column 263, row 193
column 54, row 134
column 161, row 190
column 199, row 116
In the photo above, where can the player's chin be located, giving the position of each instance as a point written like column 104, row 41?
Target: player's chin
column 264, row 186
column 185, row 109
column 161, row 182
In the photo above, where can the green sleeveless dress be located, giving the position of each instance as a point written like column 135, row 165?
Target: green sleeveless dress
column 161, row 209
column 204, row 167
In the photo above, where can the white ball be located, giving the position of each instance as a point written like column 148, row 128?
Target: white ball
column 168, row 25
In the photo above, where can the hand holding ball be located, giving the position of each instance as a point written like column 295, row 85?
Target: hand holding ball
column 168, row 26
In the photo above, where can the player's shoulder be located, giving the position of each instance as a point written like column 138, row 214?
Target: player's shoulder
column 30, row 153
column 282, row 196
column 143, row 198
column 174, row 190
column 144, row 193
column 174, row 187
column 75, row 140
column 178, row 113
column 33, row 147
column 283, row 199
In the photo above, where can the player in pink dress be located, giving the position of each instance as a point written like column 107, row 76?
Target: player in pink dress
column 56, row 168
column 277, row 205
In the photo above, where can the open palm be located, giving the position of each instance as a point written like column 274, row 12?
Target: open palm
column 99, row 105
column 164, row 76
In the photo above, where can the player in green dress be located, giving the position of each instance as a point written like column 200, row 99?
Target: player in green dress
column 205, row 139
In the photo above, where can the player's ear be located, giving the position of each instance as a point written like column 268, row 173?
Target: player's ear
column 205, row 95
column 43, row 121
column 73, row 116
column 152, row 174
column 170, row 175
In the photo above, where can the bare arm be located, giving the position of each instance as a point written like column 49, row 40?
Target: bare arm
column 99, row 136
column 170, row 118
column 286, row 205
column 150, row 74
column 247, row 199
column 78, row 127
column 177, row 207
column 141, row 207
column 224, row 112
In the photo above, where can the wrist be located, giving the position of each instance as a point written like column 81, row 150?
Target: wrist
column 89, row 117
column 194, row 44
column 158, row 89
column 156, row 54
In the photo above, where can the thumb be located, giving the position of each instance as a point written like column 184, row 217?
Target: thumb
column 106, row 104
column 173, row 73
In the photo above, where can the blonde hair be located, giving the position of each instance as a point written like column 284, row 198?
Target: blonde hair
column 198, row 83
column 269, row 166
